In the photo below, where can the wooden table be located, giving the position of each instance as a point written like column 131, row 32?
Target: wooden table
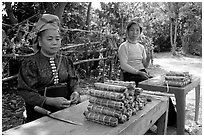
column 157, row 84
column 155, row 110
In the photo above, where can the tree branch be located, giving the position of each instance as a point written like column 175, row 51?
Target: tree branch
column 88, row 16
column 10, row 14
column 60, row 9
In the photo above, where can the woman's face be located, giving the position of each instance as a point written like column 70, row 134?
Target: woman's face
column 50, row 42
column 134, row 32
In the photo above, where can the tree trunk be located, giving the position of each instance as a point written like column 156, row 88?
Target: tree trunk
column 60, row 9
column 88, row 68
column 50, row 8
column 171, row 34
column 175, row 37
column 10, row 14
column 88, row 16
column 174, row 19
column 185, row 44
column 173, row 41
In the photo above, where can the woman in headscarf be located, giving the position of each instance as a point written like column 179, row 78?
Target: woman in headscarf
column 47, row 67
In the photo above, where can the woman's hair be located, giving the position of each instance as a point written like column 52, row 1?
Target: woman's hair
column 35, row 42
column 131, row 23
column 39, row 34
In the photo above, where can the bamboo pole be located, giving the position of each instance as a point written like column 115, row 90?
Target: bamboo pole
column 15, row 55
column 89, row 60
column 68, row 46
column 9, row 78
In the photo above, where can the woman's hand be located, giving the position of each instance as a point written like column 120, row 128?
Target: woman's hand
column 59, row 102
column 143, row 74
column 75, row 98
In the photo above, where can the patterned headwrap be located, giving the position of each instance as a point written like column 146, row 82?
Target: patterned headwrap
column 48, row 21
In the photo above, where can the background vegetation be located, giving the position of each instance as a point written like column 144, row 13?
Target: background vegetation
column 184, row 19
column 167, row 26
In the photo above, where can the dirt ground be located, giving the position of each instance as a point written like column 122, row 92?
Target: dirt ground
column 13, row 106
column 192, row 64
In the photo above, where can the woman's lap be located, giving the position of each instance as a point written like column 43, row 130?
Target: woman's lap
column 134, row 77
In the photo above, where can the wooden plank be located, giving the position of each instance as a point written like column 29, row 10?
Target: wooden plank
column 162, row 122
column 197, row 101
column 158, row 93
column 142, row 125
column 139, row 122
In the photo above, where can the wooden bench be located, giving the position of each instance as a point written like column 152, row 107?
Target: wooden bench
column 140, row 123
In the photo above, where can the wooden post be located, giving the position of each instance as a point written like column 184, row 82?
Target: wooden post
column 103, row 73
column 110, row 69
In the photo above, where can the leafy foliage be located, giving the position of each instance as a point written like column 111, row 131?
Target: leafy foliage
column 112, row 18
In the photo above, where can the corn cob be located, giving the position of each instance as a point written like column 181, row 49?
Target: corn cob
column 134, row 111
column 100, row 118
column 108, row 87
column 128, row 113
column 138, row 91
column 176, row 78
column 174, row 73
column 108, row 103
column 177, row 83
column 123, row 119
column 128, row 84
column 107, row 95
column 105, row 110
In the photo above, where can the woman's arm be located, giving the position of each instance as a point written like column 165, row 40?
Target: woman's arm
column 146, row 59
column 27, row 78
column 72, row 82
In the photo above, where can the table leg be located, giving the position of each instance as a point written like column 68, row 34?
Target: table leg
column 180, row 107
column 162, row 122
column 197, row 101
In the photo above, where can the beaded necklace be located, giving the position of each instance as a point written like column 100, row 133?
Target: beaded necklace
column 54, row 71
column 132, row 42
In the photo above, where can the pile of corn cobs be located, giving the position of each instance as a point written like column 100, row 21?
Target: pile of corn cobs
column 114, row 102
column 178, row 79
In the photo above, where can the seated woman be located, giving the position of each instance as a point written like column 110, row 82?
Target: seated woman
column 132, row 55
column 46, row 68
column 134, row 61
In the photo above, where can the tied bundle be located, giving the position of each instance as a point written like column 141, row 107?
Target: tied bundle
column 113, row 100
column 128, row 84
column 108, row 103
column 178, row 79
column 108, row 95
column 107, row 111
column 109, row 87
column 100, row 118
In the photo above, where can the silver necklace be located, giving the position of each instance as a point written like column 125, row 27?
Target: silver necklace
column 131, row 42
column 54, row 71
